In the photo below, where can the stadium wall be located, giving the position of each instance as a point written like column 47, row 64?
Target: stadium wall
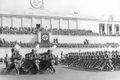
column 30, row 38
column 89, row 25
column 25, row 38
column 80, row 39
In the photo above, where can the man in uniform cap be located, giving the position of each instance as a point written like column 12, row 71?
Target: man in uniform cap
column 6, row 60
column 49, row 57
column 16, row 52
column 31, row 59
column 15, row 58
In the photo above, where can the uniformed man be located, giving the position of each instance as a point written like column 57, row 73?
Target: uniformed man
column 30, row 60
column 107, row 61
column 6, row 60
column 15, row 55
column 36, row 59
column 50, row 58
column 15, row 59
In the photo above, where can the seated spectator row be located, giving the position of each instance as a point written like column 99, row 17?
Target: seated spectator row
column 30, row 30
column 72, row 32
column 20, row 30
column 55, row 31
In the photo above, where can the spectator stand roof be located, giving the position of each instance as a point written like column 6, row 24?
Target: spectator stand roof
column 44, row 13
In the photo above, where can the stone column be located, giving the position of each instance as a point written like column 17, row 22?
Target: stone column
column 50, row 23
column 31, row 21
column 22, row 22
column 77, row 24
column 116, row 29
column 11, row 21
column 39, row 37
column 68, row 24
column 41, row 22
column 113, row 29
column 1, row 21
column 59, row 23
column 106, row 31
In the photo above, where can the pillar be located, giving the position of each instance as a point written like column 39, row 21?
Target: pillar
column 1, row 20
column 77, row 24
column 59, row 23
column 50, row 23
column 68, row 24
column 31, row 21
column 11, row 21
column 22, row 22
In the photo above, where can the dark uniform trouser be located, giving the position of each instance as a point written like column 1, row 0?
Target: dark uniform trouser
column 31, row 64
column 108, row 63
column 49, row 65
column 27, row 63
column 12, row 66
column 6, row 64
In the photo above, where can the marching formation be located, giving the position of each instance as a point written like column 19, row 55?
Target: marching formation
column 32, row 63
column 97, row 60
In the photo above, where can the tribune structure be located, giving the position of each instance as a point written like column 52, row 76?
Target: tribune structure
column 37, row 14
column 90, row 28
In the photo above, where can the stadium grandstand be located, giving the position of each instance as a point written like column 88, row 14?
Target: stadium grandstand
column 34, row 40
column 67, row 31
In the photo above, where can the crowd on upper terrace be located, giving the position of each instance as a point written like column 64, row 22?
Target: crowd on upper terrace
column 72, row 32
column 30, row 30
column 20, row 30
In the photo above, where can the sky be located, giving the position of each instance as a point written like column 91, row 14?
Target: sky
column 96, row 8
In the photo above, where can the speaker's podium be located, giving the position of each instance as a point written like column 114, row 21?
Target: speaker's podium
column 44, row 37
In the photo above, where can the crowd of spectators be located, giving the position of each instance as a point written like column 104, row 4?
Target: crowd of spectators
column 30, row 30
column 19, row 30
column 72, row 32
column 55, row 31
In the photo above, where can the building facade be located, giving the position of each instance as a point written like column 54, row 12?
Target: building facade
column 37, row 14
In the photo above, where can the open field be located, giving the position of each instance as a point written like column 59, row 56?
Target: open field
column 64, row 73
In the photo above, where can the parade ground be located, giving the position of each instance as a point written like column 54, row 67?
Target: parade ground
column 64, row 73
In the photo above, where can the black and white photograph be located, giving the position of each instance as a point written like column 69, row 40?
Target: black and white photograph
column 59, row 39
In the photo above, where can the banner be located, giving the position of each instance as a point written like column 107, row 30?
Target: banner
column 44, row 37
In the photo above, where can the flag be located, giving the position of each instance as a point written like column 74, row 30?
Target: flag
column 44, row 37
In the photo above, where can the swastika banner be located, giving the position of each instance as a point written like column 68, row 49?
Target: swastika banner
column 44, row 37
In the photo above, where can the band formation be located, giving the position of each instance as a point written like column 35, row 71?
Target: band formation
column 34, row 62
